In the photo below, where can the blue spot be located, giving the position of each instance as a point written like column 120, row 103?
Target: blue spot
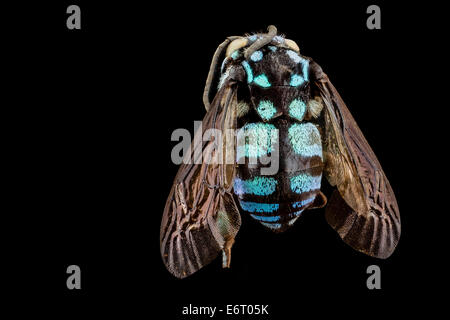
column 235, row 54
column 248, row 70
column 272, row 225
column 259, row 207
column 298, row 213
column 296, row 80
column 256, row 140
column 297, row 109
column 305, row 64
column 262, row 81
column 305, row 139
column 266, row 109
column 273, row 48
column 253, row 37
column 256, row 56
column 260, row 186
column 267, row 219
column 294, row 56
column 304, row 182
column 302, row 203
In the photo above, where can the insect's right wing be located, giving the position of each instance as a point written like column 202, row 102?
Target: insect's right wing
column 363, row 209
column 201, row 217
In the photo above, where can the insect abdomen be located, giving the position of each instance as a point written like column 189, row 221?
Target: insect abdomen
column 277, row 200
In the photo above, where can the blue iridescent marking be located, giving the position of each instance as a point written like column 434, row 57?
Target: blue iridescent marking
column 304, row 182
column 256, row 56
column 305, row 64
column 272, row 225
column 256, row 140
column 253, row 37
column 273, row 48
column 297, row 109
column 260, row 186
column 259, row 207
column 305, row 139
column 262, row 81
column 266, row 109
column 248, row 70
column 267, row 219
column 302, row 203
column 235, row 54
column 296, row 80
column 294, row 56
column 298, row 213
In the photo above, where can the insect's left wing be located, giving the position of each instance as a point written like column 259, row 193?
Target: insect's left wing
column 363, row 209
column 201, row 217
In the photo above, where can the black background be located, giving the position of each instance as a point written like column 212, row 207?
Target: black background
column 96, row 118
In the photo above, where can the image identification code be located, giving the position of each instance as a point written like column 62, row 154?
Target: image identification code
column 230, row 309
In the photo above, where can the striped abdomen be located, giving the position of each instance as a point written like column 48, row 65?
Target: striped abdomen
column 277, row 200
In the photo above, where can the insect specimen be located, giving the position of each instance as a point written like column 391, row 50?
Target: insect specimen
column 285, row 109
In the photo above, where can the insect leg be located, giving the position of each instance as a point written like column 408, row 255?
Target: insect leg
column 226, row 253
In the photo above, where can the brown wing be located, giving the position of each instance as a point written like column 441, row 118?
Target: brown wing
column 200, row 217
column 363, row 209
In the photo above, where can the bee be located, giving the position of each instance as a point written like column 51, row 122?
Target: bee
column 292, row 129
